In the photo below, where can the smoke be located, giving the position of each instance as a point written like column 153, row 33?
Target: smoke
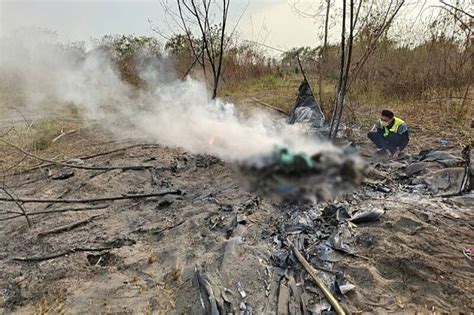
column 44, row 76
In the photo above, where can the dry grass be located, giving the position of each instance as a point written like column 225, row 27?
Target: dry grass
column 41, row 139
column 277, row 90
column 51, row 303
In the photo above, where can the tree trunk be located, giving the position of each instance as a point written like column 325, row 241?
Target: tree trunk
column 332, row 134
column 347, row 67
column 323, row 58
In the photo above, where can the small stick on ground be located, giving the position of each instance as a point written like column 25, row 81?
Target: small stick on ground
column 63, row 253
column 68, row 227
column 16, row 164
column 7, row 132
column 312, row 272
column 169, row 227
column 43, row 258
column 86, row 157
column 18, row 203
column 142, row 145
column 89, row 200
column 73, row 250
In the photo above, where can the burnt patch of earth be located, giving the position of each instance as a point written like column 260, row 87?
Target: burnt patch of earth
column 144, row 258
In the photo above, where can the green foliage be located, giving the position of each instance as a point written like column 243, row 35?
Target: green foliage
column 125, row 50
column 179, row 46
column 126, row 46
column 392, row 70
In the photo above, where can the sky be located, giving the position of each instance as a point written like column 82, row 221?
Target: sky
column 271, row 21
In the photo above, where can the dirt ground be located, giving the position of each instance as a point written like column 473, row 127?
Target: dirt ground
column 144, row 255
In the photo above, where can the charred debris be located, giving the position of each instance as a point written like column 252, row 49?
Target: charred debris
column 318, row 200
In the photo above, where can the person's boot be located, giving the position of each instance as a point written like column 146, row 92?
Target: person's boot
column 382, row 152
column 402, row 155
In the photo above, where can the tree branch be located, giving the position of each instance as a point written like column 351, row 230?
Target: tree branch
column 90, row 200
column 18, row 203
column 137, row 167
column 457, row 9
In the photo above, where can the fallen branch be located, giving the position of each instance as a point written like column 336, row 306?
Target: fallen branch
column 312, row 272
column 142, row 145
column 43, row 258
column 54, row 211
column 15, row 200
column 89, row 200
column 51, row 162
column 6, row 132
column 63, row 253
column 270, row 106
column 86, row 157
column 68, row 227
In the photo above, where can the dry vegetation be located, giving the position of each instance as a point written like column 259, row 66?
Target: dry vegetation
column 428, row 84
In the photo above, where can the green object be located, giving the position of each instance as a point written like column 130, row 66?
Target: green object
column 292, row 161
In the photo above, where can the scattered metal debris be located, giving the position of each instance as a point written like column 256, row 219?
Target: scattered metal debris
column 367, row 216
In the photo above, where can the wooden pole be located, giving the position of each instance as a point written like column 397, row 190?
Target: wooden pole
column 310, row 269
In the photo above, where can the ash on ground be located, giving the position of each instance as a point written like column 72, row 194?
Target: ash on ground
column 387, row 246
column 394, row 243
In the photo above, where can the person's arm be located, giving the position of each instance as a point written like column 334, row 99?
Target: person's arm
column 376, row 127
column 402, row 129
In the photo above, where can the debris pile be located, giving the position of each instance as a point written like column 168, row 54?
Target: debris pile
column 442, row 173
column 323, row 236
column 284, row 174
column 182, row 235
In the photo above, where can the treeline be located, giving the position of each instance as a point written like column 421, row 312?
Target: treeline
column 131, row 54
column 438, row 65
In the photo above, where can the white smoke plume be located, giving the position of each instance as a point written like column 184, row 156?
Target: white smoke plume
column 42, row 75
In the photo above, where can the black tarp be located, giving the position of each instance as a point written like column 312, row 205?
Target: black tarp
column 306, row 110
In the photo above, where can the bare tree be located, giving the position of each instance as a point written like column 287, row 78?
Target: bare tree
column 347, row 65
column 457, row 9
column 380, row 29
column 348, row 75
column 212, row 35
column 466, row 23
column 323, row 57
column 344, row 68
